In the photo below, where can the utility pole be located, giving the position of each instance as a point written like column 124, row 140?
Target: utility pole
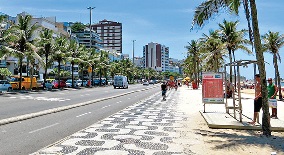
column 133, row 52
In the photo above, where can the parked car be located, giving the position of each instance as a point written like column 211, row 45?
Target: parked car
column 48, row 85
column 62, row 84
column 5, row 85
column 151, row 82
column 39, row 84
column 145, row 83
column 110, row 82
column 69, row 83
column 96, row 81
column 81, row 83
column 26, row 83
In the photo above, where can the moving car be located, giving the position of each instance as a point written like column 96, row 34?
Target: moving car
column 5, row 85
column 120, row 82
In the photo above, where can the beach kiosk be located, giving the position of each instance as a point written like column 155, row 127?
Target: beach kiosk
column 212, row 88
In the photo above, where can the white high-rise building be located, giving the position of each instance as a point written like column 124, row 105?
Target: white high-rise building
column 156, row 56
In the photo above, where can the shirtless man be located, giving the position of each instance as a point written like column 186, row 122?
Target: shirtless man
column 257, row 100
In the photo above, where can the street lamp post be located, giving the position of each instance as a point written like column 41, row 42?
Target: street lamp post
column 133, row 51
column 90, row 27
column 90, row 8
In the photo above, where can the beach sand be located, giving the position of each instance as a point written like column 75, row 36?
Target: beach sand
column 199, row 139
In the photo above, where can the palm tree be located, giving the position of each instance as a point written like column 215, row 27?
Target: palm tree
column 272, row 42
column 45, row 43
column 212, row 51
column 234, row 40
column 94, row 58
column 74, row 51
column 193, row 49
column 19, row 37
column 60, row 52
column 204, row 12
column 103, row 64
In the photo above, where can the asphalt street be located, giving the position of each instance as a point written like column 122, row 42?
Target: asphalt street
column 27, row 136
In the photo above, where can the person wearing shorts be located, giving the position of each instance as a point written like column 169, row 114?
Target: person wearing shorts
column 257, row 100
column 257, row 104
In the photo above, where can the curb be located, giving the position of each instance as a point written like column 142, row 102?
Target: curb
column 54, row 110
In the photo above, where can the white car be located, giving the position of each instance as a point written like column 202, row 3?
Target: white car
column 146, row 83
column 81, row 83
column 5, row 85
column 69, row 83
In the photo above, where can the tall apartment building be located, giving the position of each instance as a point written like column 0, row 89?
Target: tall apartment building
column 110, row 33
column 156, row 56
column 139, row 62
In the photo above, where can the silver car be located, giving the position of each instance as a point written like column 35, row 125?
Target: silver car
column 5, row 85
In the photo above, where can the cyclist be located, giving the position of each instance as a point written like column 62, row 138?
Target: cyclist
column 164, row 90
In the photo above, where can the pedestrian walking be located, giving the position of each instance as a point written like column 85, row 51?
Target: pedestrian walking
column 272, row 93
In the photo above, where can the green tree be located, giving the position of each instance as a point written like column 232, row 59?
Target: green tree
column 60, row 52
column 194, row 49
column 74, row 51
column 77, row 27
column 45, row 43
column 233, row 40
column 19, row 38
column 208, row 8
column 272, row 42
column 212, row 51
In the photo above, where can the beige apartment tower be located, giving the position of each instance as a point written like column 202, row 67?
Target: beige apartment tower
column 110, row 33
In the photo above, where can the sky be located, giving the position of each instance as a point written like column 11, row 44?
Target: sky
column 167, row 22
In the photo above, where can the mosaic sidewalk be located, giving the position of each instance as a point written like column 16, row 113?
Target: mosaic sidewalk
column 150, row 127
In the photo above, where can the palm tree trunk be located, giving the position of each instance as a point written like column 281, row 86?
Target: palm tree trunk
column 45, row 70
column 21, row 73
column 72, row 74
column 58, row 73
column 82, row 70
column 277, row 80
column 106, row 76
column 31, row 77
column 93, row 66
column 261, row 67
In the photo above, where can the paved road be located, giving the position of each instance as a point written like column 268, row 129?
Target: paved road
column 27, row 136
column 15, row 104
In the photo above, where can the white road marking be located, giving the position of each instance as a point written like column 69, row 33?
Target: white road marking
column 41, row 98
column 129, row 98
column 83, row 114
column 105, row 106
column 44, row 128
